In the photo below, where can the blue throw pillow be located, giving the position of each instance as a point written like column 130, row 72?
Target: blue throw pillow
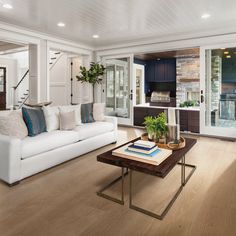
column 34, row 120
column 87, row 113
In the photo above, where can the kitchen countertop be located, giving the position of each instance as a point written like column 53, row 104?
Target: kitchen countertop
column 180, row 108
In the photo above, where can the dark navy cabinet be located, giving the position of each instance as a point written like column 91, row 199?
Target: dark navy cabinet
column 163, row 70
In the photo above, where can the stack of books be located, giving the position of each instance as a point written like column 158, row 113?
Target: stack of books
column 143, row 151
column 143, row 147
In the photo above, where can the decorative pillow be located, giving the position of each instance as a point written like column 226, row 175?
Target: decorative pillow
column 34, row 120
column 67, row 120
column 51, row 115
column 99, row 111
column 76, row 109
column 87, row 113
column 13, row 125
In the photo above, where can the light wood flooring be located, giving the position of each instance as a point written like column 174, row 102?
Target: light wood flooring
column 63, row 200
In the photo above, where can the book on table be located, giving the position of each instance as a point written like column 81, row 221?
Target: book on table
column 139, row 149
column 154, row 158
column 144, row 143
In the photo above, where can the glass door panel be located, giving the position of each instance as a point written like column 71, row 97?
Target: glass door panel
column 220, row 92
column 118, row 93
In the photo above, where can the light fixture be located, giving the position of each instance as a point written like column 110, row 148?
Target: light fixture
column 226, row 52
column 205, row 16
column 158, row 59
column 7, row 6
column 222, row 48
column 95, row 36
column 228, row 56
column 61, row 24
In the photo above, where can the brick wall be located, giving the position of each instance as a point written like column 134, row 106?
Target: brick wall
column 187, row 77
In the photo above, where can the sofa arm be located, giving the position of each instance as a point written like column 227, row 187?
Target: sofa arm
column 10, row 159
column 112, row 120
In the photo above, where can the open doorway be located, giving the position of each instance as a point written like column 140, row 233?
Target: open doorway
column 14, row 80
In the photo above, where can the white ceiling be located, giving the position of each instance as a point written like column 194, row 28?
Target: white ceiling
column 121, row 21
column 5, row 46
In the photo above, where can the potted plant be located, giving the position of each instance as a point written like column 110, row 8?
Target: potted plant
column 161, row 128
column 156, row 127
column 149, row 123
column 93, row 75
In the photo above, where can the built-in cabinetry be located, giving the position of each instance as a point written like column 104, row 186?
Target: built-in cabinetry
column 189, row 120
column 163, row 70
column 141, row 112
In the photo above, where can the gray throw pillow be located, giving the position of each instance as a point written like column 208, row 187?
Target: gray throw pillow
column 34, row 120
column 87, row 113
column 67, row 120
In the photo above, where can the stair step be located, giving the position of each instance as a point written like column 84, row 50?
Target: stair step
column 57, row 53
column 22, row 98
column 50, row 63
column 19, row 101
column 53, row 58
column 25, row 94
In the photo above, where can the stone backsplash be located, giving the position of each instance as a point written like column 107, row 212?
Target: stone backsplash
column 187, row 77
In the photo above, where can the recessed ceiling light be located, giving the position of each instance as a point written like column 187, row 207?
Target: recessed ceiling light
column 228, row 56
column 7, row 6
column 61, row 24
column 95, row 36
column 222, row 48
column 205, row 16
column 226, row 52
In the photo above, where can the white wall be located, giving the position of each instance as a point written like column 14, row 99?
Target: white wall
column 11, row 78
column 60, row 81
column 82, row 92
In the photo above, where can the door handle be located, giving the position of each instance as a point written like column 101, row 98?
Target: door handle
column 131, row 96
column 202, row 99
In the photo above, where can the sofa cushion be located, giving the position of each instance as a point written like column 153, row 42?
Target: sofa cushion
column 67, row 120
column 99, row 111
column 89, row 130
column 87, row 113
column 47, row 141
column 76, row 109
column 52, row 118
column 12, row 124
column 34, row 120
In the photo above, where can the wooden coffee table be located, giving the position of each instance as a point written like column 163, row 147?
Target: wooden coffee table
column 176, row 158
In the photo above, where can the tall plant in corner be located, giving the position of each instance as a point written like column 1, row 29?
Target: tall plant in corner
column 93, row 75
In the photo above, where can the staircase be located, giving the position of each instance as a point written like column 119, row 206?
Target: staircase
column 22, row 98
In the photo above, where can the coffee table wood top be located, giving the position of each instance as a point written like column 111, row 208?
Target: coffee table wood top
column 161, row 170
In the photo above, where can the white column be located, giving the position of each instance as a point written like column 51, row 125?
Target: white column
column 34, row 95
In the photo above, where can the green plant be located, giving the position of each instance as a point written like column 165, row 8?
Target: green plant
column 156, row 126
column 93, row 74
column 149, row 123
column 161, row 128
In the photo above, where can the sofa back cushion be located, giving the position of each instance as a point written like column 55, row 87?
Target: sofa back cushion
column 51, row 115
column 34, row 120
column 67, row 120
column 87, row 113
column 99, row 111
column 76, row 109
column 12, row 124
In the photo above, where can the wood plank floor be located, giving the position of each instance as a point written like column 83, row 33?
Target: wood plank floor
column 63, row 200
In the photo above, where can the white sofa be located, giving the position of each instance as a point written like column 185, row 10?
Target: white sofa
column 22, row 158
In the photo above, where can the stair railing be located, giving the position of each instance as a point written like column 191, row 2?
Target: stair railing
column 16, row 87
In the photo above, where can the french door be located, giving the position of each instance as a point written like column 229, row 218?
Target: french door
column 2, row 88
column 117, row 89
column 218, row 91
